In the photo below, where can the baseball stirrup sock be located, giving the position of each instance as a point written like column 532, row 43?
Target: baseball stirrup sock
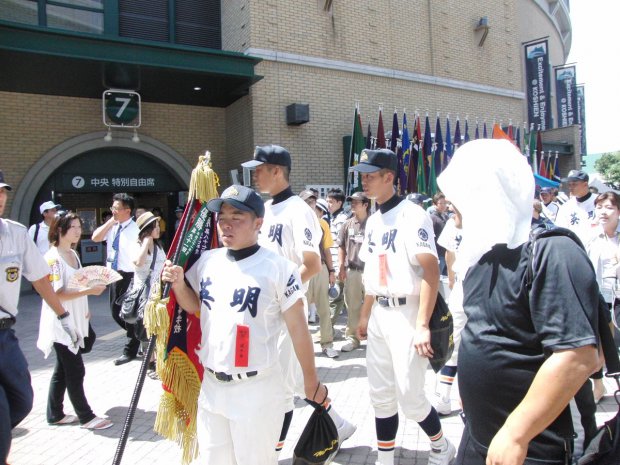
column 432, row 427
column 446, row 379
column 286, row 424
column 386, row 438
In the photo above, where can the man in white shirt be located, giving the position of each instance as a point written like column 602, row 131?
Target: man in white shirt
column 245, row 293
column 550, row 206
column 19, row 257
column 577, row 214
column 39, row 232
column 121, row 235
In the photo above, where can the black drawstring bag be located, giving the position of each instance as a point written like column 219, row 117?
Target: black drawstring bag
column 442, row 339
column 318, row 443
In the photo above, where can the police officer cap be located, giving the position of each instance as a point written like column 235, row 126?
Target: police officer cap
column 4, row 184
column 375, row 160
column 576, row 175
column 270, row 154
column 240, row 197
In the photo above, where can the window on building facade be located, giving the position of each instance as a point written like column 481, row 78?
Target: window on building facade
column 71, row 15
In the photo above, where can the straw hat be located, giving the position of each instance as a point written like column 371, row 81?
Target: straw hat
column 145, row 219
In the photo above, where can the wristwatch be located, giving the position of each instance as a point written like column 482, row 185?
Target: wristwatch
column 63, row 316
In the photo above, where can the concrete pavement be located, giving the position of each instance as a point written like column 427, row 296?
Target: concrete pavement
column 109, row 389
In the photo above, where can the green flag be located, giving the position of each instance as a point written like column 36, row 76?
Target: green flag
column 532, row 144
column 357, row 145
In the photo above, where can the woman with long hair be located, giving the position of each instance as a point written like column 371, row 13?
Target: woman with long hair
column 64, row 234
column 149, row 254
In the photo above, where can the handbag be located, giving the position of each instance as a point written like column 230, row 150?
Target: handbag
column 318, row 443
column 442, row 338
column 134, row 299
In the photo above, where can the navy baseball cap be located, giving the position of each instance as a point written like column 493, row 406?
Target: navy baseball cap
column 375, row 160
column 576, row 175
column 270, row 154
column 546, row 190
column 4, row 184
column 240, row 197
column 358, row 196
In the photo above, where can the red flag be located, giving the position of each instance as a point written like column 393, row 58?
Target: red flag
column 498, row 133
column 542, row 167
column 380, row 134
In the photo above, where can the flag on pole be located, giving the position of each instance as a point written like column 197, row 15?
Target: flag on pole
column 550, row 166
column 498, row 133
column 439, row 148
column 414, row 159
column 532, row 146
column 421, row 178
column 518, row 138
column 428, row 149
column 406, row 149
column 449, row 147
column 484, row 131
column 466, row 131
column 542, row 168
column 357, row 145
column 539, row 152
column 477, row 132
column 510, row 133
column 380, row 133
column 178, row 333
column 395, row 133
column 369, row 137
column 457, row 135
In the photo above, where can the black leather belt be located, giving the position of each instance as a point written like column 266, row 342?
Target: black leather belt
column 391, row 301
column 356, row 268
column 6, row 323
column 225, row 377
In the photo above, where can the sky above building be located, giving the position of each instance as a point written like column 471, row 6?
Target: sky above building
column 596, row 50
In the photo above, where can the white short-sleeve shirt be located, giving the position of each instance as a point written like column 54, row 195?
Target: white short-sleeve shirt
column 399, row 235
column 579, row 217
column 126, row 247
column 252, row 292
column 42, row 241
column 290, row 228
column 18, row 256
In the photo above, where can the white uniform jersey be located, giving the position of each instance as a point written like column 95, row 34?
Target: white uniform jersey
column 253, row 293
column 391, row 243
column 451, row 236
column 43, row 243
column 127, row 243
column 579, row 217
column 289, row 229
column 551, row 210
column 18, row 256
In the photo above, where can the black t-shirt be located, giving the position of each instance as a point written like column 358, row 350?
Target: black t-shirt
column 510, row 332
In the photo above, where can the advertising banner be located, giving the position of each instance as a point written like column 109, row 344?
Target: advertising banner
column 538, row 84
column 581, row 117
column 566, row 95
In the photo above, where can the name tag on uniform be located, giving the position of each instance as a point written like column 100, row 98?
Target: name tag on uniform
column 242, row 346
column 383, row 270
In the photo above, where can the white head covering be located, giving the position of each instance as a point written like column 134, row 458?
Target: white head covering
column 492, row 186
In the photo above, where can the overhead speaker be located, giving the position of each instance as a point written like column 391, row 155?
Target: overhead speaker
column 297, row 113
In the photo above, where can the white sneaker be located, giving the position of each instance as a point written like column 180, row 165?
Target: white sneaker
column 443, row 406
column 330, row 352
column 346, row 430
column 445, row 457
column 312, row 318
column 350, row 346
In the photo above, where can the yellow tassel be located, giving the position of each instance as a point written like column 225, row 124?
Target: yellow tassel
column 176, row 416
column 204, row 181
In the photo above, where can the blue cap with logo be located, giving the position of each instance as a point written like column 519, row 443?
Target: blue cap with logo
column 240, row 197
column 375, row 160
column 270, row 154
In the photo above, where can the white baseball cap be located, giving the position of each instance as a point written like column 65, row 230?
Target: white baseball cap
column 48, row 206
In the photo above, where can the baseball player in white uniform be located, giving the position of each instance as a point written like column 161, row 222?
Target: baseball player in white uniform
column 244, row 293
column 19, row 257
column 577, row 214
column 290, row 229
column 39, row 232
column 401, row 279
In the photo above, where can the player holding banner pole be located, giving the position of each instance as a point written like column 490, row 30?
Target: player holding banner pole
column 177, row 333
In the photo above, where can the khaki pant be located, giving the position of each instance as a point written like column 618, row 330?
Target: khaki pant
column 317, row 294
column 353, row 298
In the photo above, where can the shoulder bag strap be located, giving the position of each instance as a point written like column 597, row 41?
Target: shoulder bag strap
column 36, row 232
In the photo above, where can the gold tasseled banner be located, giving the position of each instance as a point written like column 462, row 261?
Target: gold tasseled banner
column 176, row 416
column 204, row 181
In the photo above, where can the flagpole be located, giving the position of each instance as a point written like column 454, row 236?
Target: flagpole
column 348, row 177
column 198, row 188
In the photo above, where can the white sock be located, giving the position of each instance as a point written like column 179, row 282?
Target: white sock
column 440, row 444
column 338, row 420
column 386, row 457
column 312, row 311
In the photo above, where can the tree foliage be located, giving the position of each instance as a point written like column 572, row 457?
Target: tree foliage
column 609, row 167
